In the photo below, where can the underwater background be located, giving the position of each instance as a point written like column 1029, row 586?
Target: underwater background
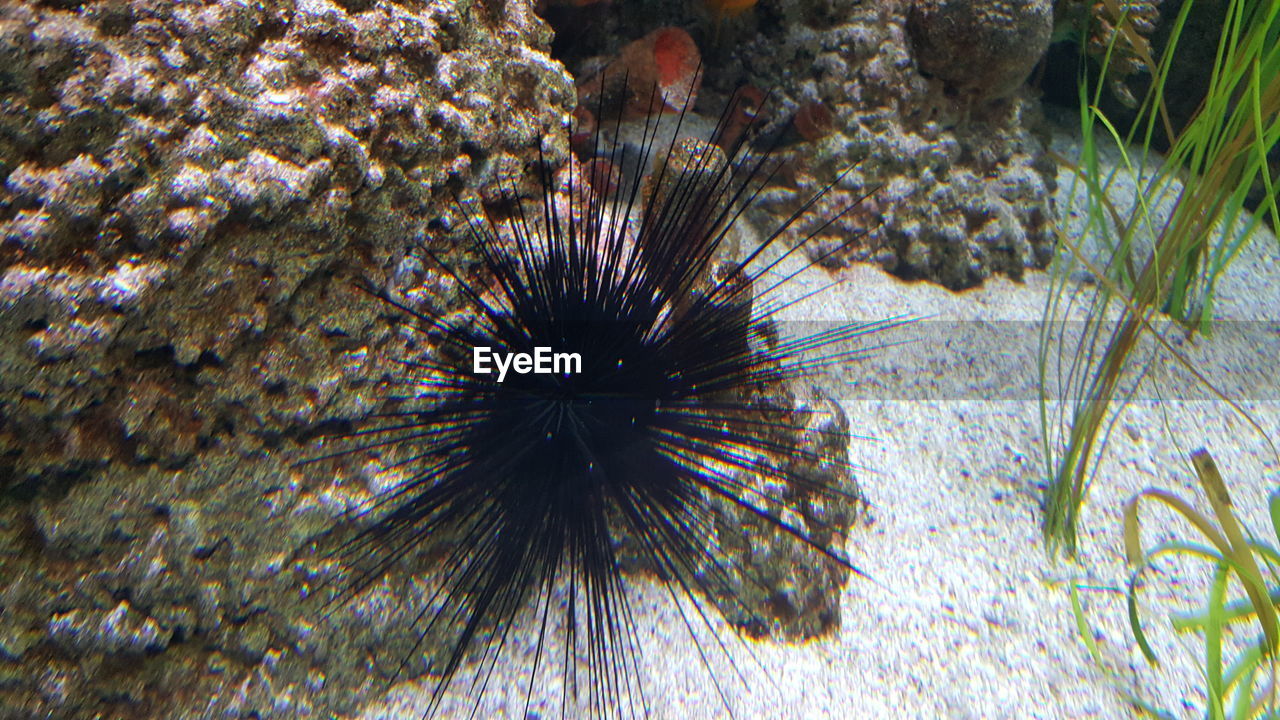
column 189, row 191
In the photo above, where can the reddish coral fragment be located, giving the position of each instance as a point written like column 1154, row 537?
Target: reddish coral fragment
column 603, row 176
column 674, row 55
column 584, row 131
column 665, row 61
column 744, row 107
column 814, row 121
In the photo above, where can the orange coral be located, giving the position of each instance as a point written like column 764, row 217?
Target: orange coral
column 665, row 61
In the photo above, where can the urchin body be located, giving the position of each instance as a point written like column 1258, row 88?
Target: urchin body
column 682, row 412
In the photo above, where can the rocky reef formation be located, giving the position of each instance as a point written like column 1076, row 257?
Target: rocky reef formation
column 926, row 97
column 185, row 184
column 187, row 191
column 982, row 49
column 941, row 128
column 1120, row 34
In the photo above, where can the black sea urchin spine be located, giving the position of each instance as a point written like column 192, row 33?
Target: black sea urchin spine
column 536, row 482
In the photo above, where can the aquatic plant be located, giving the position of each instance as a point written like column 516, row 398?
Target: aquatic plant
column 1245, row 687
column 675, row 419
column 1239, row 672
column 1154, row 263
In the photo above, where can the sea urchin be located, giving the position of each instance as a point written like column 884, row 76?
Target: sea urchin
column 612, row 388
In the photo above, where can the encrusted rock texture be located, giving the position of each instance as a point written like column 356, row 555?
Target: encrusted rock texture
column 926, row 100
column 187, row 192
column 1120, row 35
column 929, row 100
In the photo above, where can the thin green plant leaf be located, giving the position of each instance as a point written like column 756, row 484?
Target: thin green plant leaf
column 1273, row 505
column 1236, row 611
column 1135, row 622
column 1213, row 641
column 1250, row 575
column 1215, row 159
column 1240, row 677
column 1181, row 547
column 1200, row 521
column 1082, row 627
column 1095, row 652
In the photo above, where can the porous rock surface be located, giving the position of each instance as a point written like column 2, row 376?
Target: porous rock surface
column 187, row 192
column 985, row 49
column 1121, row 34
column 951, row 142
column 794, row 581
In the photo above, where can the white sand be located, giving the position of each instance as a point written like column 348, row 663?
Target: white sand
column 968, row 617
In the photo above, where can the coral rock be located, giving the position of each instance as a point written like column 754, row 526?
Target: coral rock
column 603, row 176
column 814, row 121
column 744, row 107
column 985, row 49
column 187, row 190
column 1120, row 33
column 665, row 62
column 964, row 187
